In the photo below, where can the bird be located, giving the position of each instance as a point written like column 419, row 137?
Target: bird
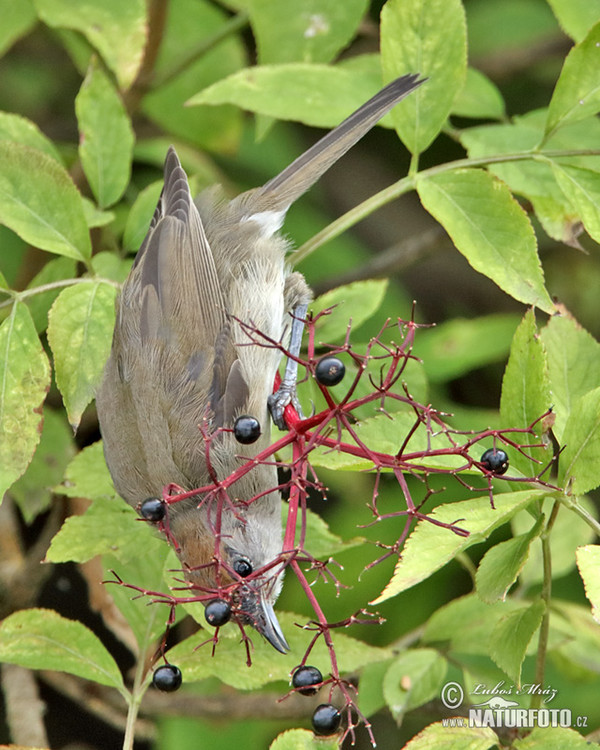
column 180, row 359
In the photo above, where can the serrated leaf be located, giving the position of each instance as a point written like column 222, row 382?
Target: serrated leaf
column 87, row 475
column 80, row 329
column 356, row 302
column 116, row 29
column 569, row 531
column 552, row 738
column 318, row 95
column 428, row 37
column 573, row 358
column 526, row 391
column 33, row 491
column 197, row 665
column 149, row 572
column 457, row 346
column 501, row 565
column 588, row 562
column 57, row 269
column 302, row 739
column 440, row 735
column 39, row 202
column 429, row 547
column 490, row 229
column 304, row 30
column 580, row 460
column 576, row 17
column 140, row 215
column 106, row 136
column 511, row 636
column 413, row 679
column 24, row 382
column 479, row 98
column 465, row 623
column 109, row 526
column 531, row 178
column 42, row 639
column 111, row 266
column 577, row 92
column 21, row 130
column 582, row 189
column 17, row 20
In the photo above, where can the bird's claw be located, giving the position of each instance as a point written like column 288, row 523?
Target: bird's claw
column 278, row 401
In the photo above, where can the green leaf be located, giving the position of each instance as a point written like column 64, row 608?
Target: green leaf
column 321, row 542
column 511, row 636
column 577, row 92
column 106, row 137
column 140, row 215
column 502, row 564
column 573, row 357
column 356, row 302
column 87, row 476
column 440, row 735
column 578, row 635
column 42, row 639
column 57, row 269
column 552, row 738
column 576, row 17
column 580, row 460
column 466, row 623
column 569, row 532
column 17, row 20
column 302, row 739
column 526, row 391
column 429, row 547
column 490, row 229
column 80, row 329
column 24, row 382
column 454, row 348
column 39, row 202
column 111, row 266
column 180, row 72
column 318, row 95
column 20, row 130
column 33, row 491
column 304, row 30
column 588, row 562
column 109, row 526
column 149, row 572
column 94, row 217
column 479, row 98
column 582, row 189
column 197, row 665
column 427, row 37
column 370, row 694
column 116, row 29
column 413, row 679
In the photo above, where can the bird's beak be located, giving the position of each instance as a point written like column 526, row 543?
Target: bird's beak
column 259, row 612
column 269, row 627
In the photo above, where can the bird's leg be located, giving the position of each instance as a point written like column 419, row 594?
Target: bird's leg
column 286, row 393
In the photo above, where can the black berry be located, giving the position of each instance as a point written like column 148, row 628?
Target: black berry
column 305, row 678
column 330, row 370
column 246, row 429
column 153, row 509
column 495, row 461
column 167, row 678
column 326, row 719
column 242, row 567
column 217, row 612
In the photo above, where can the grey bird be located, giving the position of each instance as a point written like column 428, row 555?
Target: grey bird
column 181, row 359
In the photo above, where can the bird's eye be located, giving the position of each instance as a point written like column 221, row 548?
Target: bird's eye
column 243, row 567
